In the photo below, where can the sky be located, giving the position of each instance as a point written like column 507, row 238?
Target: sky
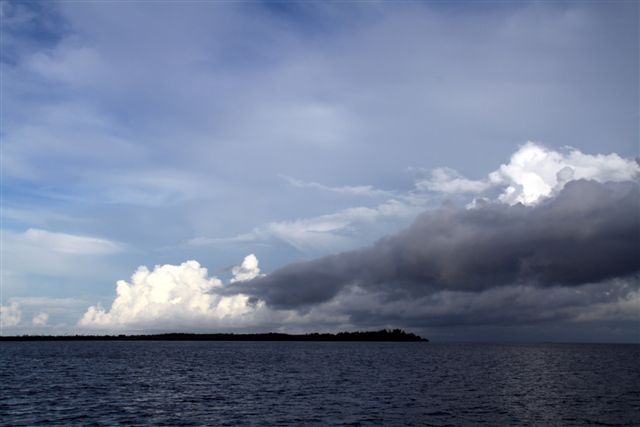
column 462, row 170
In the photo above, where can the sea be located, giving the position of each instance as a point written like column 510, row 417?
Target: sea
column 163, row 383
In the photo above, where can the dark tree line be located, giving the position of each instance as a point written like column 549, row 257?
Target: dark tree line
column 395, row 335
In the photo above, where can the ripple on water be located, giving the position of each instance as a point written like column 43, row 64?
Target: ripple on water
column 253, row 383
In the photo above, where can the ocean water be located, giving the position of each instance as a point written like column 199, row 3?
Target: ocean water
column 295, row 383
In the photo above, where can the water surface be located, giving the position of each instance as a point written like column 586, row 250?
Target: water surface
column 324, row 383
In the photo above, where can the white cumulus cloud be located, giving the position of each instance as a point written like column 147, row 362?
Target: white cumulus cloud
column 248, row 270
column 175, row 295
column 184, row 297
column 534, row 173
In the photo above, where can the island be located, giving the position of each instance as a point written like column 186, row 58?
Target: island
column 384, row 335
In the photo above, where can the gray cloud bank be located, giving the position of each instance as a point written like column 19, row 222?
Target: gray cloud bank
column 492, row 271
column 589, row 233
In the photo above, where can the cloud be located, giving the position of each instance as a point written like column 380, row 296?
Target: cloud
column 534, row 173
column 185, row 297
column 160, row 187
column 509, row 305
column 447, row 180
column 248, row 270
column 10, row 315
column 54, row 257
column 570, row 258
column 59, row 311
column 50, row 303
column 452, row 266
column 174, row 296
column 332, row 232
column 70, row 243
column 626, row 307
column 354, row 95
column 341, row 230
column 40, row 310
column 587, row 234
column 40, row 319
column 357, row 190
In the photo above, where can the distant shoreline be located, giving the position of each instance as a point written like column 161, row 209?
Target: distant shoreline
column 395, row 335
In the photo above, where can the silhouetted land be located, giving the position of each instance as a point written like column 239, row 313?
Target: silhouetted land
column 395, row 335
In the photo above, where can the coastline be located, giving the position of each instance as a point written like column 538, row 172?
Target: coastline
column 367, row 336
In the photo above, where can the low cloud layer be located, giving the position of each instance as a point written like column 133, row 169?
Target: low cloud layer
column 10, row 315
column 40, row 319
column 587, row 234
column 616, row 300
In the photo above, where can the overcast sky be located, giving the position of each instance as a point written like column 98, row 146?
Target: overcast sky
column 464, row 170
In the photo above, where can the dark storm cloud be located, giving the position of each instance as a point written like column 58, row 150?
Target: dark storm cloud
column 589, row 233
column 615, row 299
